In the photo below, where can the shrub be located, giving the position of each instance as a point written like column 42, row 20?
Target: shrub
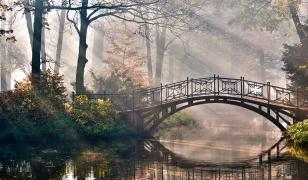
column 35, row 113
column 299, row 153
column 297, row 134
column 179, row 120
column 26, row 102
column 97, row 118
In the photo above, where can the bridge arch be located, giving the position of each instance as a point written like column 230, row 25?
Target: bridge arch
column 151, row 118
column 147, row 108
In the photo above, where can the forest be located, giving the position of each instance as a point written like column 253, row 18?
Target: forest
column 84, row 71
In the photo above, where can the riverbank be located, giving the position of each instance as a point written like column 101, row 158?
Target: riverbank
column 43, row 114
column 297, row 134
column 297, row 137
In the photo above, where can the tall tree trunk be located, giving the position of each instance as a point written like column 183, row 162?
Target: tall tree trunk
column 4, row 86
column 60, row 41
column 4, row 63
column 82, row 55
column 98, row 46
column 298, row 25
column 171, row 69
column 160, row 53
column 43, row 50
column 29, row 21
column 37, row 38
column 149, row 53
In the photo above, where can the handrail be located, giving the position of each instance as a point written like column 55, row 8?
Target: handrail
column 210, row 86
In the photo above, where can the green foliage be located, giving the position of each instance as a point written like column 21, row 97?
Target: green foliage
column 298, row 152
column 39, row 103
column 115, row 82
column 37, row 113
column 179, row 120
column 97, row 118
column 257, row 14
column 60, row 129
column 297, row 134
column 295, row 59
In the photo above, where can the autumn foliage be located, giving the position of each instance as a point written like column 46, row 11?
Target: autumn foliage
column 125, row 59
column 36, row 103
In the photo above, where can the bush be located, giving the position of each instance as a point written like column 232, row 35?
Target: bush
column 97, row 118
column 40, row 114
column 35, row 113
column 299, row 153
column 36, row 103
column 179, row 120
column 297, row 134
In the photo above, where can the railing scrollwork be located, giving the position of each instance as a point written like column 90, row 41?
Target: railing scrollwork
column 211, row 86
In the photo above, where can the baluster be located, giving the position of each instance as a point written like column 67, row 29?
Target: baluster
column 297, row 98
column 133, row 100
column 241, row 87
column 289, row 97
column 218, row 85
column 187, row 88
column 214, row 84
column 191, row 88
column 167, row 93
column 268, row 92
column 161, row 93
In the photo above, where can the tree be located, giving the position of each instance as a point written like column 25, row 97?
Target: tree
column 98, row 44
column 160, row 52
column 267, row 15
column 27, row 12
column 125, row 59
column 60, row 39
column 295, row 59
column 3, row 31
column 37, row 40
column 126, row 63
column 132, row 11
column 147, row 34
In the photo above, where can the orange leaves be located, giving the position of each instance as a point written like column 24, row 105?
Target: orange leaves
column 125, row 58
column 45, row 98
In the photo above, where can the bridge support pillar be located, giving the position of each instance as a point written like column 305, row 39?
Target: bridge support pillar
column 134, row 121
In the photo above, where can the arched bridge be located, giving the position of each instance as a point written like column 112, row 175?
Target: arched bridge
column 147, row 108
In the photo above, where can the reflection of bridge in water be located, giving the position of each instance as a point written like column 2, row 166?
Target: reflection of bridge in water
column 146, row 159
column 168, row 165
column 272, row 154
column 147, row 108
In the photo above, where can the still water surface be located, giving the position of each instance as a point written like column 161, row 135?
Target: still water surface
column 147, row 159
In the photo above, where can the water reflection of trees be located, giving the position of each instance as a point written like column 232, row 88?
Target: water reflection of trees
column 135, row 160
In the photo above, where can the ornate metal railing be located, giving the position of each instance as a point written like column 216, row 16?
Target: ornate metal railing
column 211, row 86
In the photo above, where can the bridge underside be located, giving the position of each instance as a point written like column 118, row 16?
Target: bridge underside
column 148, row 119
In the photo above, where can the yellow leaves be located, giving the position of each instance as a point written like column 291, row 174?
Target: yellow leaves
column 290, row 32
column 298, row 152
column 82, row 100
column 282, row 2
column 302, row 66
